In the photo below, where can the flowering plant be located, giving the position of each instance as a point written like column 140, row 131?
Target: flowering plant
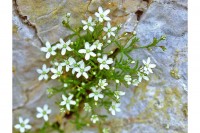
column 89, row 73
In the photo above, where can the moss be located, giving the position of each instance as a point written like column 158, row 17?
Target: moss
column 185, row 110
column 175, row 74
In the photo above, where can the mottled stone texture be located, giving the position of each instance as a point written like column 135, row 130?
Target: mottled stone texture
column 157, row 106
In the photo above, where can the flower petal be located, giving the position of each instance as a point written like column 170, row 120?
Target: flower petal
column 106, row 12
column 72, row 102
column 63, row 51
column 64, row 97
column 91, row 95
column 17, row 126
column 61, row 41
column 85, row 75
column 48, row 55
column 45, row 117
column 28, row 126
column 22, row 129
column 68, row 106
column 63, row 103
column 82, row 51
column 100, row 9
column 39, row 115
column 44, row 49
column 39, row 109
column 87, row 56
column 20, row 119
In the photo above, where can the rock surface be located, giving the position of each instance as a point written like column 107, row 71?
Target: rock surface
column 156, row 106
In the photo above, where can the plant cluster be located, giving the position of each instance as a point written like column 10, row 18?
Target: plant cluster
column 90, row 75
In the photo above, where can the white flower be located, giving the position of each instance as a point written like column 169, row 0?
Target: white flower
column 96, row 94
column 68, row 14
column 102, row 83
column 128, row 79
column 87, row 107
column 89, row 24
column 114, row 108
column 117, row 81
column 104, row 38
column 94, row 118
column 97, row 45
column 49, row 50
column 88, row 51
column 135, row 82
column 67, row 101
column 102, row 15
column 148, row 67
column 68, row 63
column 98, row 54
column 43, row 112
column 75, row 66
column 109, row 41
column 106, row 130
column 132, row 62
column 104, row 62
column 64, row 46
column 23, row 125
column 82, row 70
column 57, row 72
column 119, row 93
column 65, row 85
column 142, row 75
column 43, row 72
column 110, row 30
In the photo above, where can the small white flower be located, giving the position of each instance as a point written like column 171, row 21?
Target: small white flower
column 49, row 50
column 148, row 67
column 102, row 15
column 65, row 85
column 96, row 94
column 23, row 125
column 68, row 63
column 43, row 112
column 104, row 62
column 97, row 45
column 128, row 79
column 132, row 62
column 98, row 54
column 104, row 38
column 43, row 72
column 142, row 75
column 114, row 108
column 110, row 30
column 68, row 15
column 82, row 70
column 106, row 130
column 75, row 66
column 87, row 107
column 102, row 83
column 119, row 93
column 135, row 82
column 117, row 81
column 64, row 46
column 94, row 118
column 67, row 101
column 89, row 24
column 88, row 51
column 57, row 72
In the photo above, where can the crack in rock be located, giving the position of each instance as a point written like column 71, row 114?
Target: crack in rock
column 25, row 20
